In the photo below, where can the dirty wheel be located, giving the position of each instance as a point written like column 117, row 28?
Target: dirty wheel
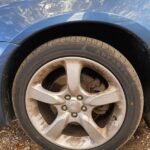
column 78, row 93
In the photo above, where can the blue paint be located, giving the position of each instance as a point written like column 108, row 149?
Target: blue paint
column 18, row 18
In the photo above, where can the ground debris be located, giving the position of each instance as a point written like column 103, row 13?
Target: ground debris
column 14, row 138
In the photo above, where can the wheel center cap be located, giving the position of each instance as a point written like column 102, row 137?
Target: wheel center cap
column 74, row 106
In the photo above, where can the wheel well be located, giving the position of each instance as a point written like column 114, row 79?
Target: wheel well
column 127, row 43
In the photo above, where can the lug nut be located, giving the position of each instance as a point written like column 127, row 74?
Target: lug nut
column 84, row 108
column 74, row 114
column 64, row 107
column 67, row 97
column 80, row 97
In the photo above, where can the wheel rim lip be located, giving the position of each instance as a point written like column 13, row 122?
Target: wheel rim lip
column 101, row 68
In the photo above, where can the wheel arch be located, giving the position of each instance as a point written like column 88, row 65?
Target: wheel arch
column 130, row 44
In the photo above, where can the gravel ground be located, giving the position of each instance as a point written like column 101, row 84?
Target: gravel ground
column 13, row 138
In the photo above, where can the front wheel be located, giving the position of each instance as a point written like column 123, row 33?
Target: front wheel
column 78, row 93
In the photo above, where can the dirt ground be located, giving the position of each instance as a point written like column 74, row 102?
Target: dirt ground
column 13, row 138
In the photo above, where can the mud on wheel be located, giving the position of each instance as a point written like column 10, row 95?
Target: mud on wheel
column 78, row 93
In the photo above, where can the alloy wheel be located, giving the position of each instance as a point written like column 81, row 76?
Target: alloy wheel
column 75, row 103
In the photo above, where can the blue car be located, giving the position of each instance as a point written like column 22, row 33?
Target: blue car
column 75, row 73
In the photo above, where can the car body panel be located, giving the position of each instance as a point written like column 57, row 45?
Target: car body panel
column 6, row 50
column 20, row 19
column 16, row 16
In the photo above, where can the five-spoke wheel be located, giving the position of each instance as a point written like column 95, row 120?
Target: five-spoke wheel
column 78, row 93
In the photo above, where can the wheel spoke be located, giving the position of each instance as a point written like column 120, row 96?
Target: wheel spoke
column 94, row 131
column 45, row 96
column 73, row 70
column 103, row 98
column 56, row 128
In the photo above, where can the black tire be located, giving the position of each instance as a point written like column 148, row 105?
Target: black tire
column 94, row 50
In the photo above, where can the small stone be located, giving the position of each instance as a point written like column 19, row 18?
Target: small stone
column 27, row 148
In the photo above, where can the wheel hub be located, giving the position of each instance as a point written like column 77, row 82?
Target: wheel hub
column 74, row 105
